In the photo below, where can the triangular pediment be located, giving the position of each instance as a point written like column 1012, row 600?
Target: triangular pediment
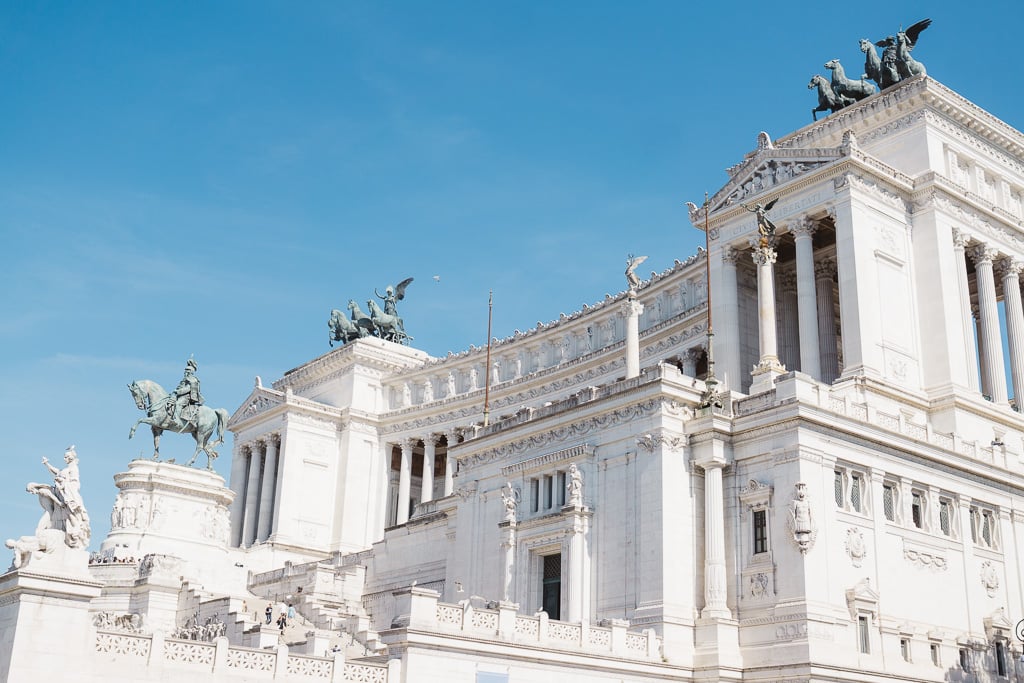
column 760, row 176
column 259, row 401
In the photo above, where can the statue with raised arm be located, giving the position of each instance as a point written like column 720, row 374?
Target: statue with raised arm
column 632, row 263
column 765, row 227
column 392, row 295
column 64, row 516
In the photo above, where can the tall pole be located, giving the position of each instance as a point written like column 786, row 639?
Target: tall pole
column 711, row 398
column 487, row 369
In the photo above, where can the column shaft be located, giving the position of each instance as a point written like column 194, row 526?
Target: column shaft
column 963, row 286
column 825, row 281
column 266, row 513
column 404, row 480
column 252, row 494
column 633, row 309
column 427, row 487
column 1014, row 325
column 765, row 257
column 807, row 300
column 789, row 327
column 715, row 585
column 993, row 369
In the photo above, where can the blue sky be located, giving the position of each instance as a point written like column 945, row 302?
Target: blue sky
column 214, row 178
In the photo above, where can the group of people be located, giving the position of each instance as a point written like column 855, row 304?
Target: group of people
column 283, row 617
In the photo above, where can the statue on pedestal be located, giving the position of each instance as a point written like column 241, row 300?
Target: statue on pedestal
column 632, row 263
column 64, row 516
column 510, row 498
column 181, row 411
column 765, row 228
column 801, row 520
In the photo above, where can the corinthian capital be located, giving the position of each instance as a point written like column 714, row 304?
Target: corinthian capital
column 1009, row 268
column 960, row 238
column 764, row 256
column 804, row 227
column 982, row 253
column 825, row 269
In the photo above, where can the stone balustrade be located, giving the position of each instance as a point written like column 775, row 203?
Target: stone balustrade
column 821, row 396
column 419, row 608
column 155, row 657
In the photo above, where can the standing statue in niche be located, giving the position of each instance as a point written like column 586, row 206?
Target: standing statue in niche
column 574, row 486
column 801, row 519
column 510, row 499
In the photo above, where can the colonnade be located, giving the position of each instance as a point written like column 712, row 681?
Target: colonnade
column 991, row 267
column 796, row 319
column 256, row 519
column 403, row 483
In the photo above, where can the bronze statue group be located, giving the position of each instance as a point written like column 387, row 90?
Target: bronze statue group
column 896, row 64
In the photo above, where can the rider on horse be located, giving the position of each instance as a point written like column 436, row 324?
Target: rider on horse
column 186, row 395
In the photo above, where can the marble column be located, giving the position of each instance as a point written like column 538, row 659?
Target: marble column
column 807, row 299
column 715, row 581
column 451, row 438
column 1010, row 270
column 768, row 367
column 632, row 309
column 404, row 480
column 993, row 369
column 266, row 513
column 976, row 343
column 963, row 286
column 789, row 327
column 252, row 494
column 508, row 554
column 825, row 272
column 427, row 487
column 729, row 328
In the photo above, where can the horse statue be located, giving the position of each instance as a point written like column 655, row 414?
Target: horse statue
column 827, row 99
column 159, row 407
column 342, row 329
column 361, row 319
column 872, row 64
column 841, row 85
column 907, row 65
column 389, row 326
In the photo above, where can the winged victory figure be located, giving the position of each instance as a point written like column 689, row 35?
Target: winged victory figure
column 764, row 225
column 632, row 263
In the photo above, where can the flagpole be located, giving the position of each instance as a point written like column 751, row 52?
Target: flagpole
column 711, row 398
column 487, row 367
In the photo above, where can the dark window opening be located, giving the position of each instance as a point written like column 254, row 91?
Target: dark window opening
column 551, row 600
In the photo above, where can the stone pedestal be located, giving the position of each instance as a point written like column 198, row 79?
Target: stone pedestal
column 167, row 509
column 45, row 628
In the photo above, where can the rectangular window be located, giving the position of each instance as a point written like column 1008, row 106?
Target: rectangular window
column 485, row 677
column 760, row 531
column 974, row 524
column 561, row 489
column 987, row 525
column 935, row 654
column 917, row 509
column 944, row 516
column 838, row 486
column 551, row 586
column 534, row 495
column 855, row 487
column 547, row 493
column 863, row 634
column 889, row 501
column 1000, row 658
column 905, row 649
column 965, row 659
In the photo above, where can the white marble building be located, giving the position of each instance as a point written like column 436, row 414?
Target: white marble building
column 854, row 512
